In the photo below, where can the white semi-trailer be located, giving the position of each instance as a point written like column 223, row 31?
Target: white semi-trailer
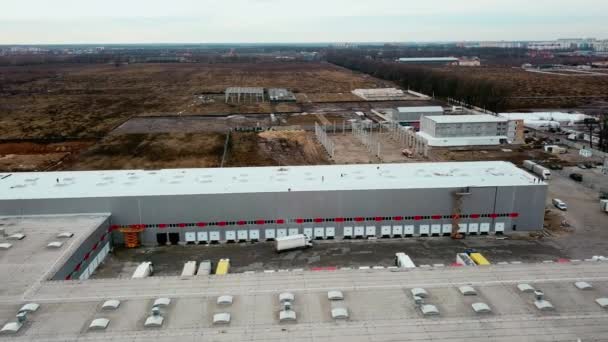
column 538, row 170
column 144, row 270
column 287, row 243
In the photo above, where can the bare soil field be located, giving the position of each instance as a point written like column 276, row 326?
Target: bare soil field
column 511, row 154
column 152, row 151
column 37, row 156
column 88, row 101
column 275, row 148
column 561, row 92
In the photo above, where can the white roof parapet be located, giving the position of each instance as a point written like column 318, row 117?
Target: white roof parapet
column 88, row 184
column 423, row 109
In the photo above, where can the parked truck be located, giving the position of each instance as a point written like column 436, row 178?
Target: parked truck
column 538, row 170
column 287, row 243
column 604, row 205
column 204, row 268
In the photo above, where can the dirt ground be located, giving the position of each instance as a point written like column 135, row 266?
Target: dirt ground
column 513, row 154
column 562, row 90
column 87, row 101
column 37, row 156
column 275, row 148
column 152, row 151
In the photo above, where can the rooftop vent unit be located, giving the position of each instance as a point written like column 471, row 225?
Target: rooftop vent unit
column 163, row 301
column 544, row 305
column 99, row 324
column 224, row 300
column 65, row 235
column 17, row 236
column 429, row 310
column 111, row 304
column 29, row 307
column 286, row 297
column 481, row 308
column 467, row 291
column 539, row 295
column 335, row 295
column 156, row 311
column 526, row 288
column 419, row 292
column 603, row 302
column 287, row 316
column 339, row 313
column 55, row 244
column 5, row 245
column 582, row 285
column 221, row 318
column 154, row 321
column 11, row 328
column 22, row 317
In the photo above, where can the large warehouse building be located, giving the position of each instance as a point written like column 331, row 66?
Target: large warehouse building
column 325, row 202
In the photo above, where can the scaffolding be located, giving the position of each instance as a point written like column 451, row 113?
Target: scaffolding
column 244, row 95
column 324, row 139
column 365, row 133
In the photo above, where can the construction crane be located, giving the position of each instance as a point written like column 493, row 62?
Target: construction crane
column 458, row 196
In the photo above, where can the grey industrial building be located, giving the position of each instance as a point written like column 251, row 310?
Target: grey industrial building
column 326, row 202
column 414, row 114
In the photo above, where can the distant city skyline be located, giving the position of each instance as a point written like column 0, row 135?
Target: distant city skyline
column 270, row 21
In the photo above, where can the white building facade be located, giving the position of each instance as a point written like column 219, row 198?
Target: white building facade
column 463, row 130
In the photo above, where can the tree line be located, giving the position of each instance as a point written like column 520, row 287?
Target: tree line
column 432, row 81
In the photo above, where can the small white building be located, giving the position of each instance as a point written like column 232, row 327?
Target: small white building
column 463, row 130
column 414, row 114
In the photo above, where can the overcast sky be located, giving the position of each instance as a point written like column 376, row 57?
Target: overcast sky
column 217, row 21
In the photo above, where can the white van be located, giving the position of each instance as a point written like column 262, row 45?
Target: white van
column 559, row 204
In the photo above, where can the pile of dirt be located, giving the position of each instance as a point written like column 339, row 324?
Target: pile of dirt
column 555, row 223
column 275, row 148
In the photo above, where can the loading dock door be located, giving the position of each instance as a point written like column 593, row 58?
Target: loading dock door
column 174, row 238
column 190, row 237
column 254, row 235
column 370, row 231
column 425, row 229
column 230, row 235
column 242, row 235
column 473, row 228
column 348, row 232
column 397, row 231
column 214, row 236
column 309, row 232
column 282, row 232
column 484, row 228
column 269, row 234
column 202, row 236
column 435, row 229
column 408, row 230
column 386, row 231
column 359, row 231
column 330, row 232
column 161, row 239
column 293, row 231
column 447, row 228
column 319, row 232
column 462, row 228
column 499, row 227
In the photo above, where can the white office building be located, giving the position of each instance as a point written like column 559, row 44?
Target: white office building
column 463, row 130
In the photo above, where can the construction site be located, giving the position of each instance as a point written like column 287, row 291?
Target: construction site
column 151, row 201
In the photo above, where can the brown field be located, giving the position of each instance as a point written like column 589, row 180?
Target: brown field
column 88, row 101
column 529, row 84
column 516, row 155
column 152, row 151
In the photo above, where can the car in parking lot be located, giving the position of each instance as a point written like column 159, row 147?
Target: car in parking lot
column 576, row 177
column 582, row 166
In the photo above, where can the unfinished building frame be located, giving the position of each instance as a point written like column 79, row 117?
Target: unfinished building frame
column 244, row 95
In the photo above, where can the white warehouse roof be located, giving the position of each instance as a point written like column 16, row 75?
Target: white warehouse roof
column 85, row 184
column 421, row 109
column 466, row 118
